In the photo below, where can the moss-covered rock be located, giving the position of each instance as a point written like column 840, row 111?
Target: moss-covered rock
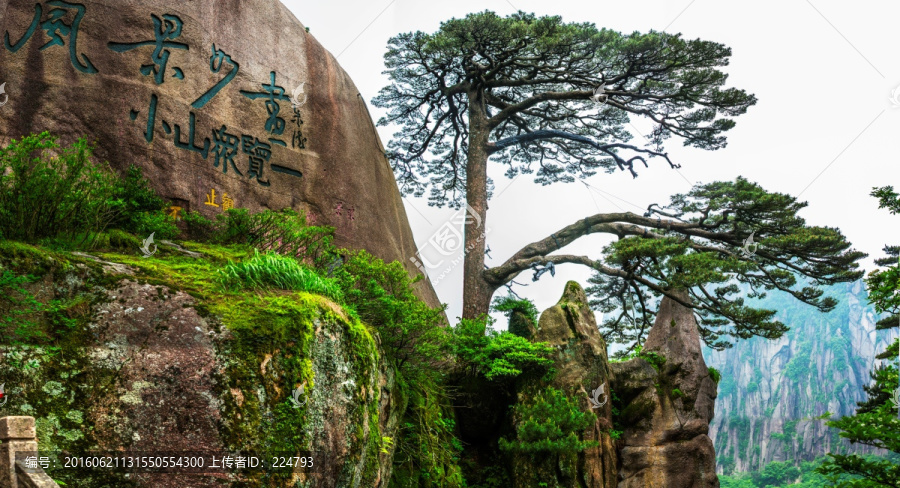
column 147, row 354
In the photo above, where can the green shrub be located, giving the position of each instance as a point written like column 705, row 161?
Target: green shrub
column 781, row 437
column 412, row 333
column 415, row 340
column 482, row 351
column 269, row 270
column 776, row 474
column 60, row 194
column 551, row 422
column 235, row 226
column 158, row 223
column 427, row 448
column 518, row 311
column 142, row 210
column 283, row 232
column 47, row 191
column 798, row 368
column 714, row 374
column 198, row 227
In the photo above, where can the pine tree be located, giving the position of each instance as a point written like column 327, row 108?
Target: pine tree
column 555, row 99
column 545, row 97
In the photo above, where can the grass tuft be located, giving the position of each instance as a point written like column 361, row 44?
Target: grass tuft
column 274, row 271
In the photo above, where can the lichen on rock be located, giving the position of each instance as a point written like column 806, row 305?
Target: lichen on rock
column 163, row 361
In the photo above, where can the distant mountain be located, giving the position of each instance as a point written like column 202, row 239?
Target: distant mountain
column 771, row 390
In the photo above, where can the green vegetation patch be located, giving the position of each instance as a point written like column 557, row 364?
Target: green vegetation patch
column 550, row 423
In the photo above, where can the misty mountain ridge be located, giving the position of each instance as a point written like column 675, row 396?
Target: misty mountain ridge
column 771, row 390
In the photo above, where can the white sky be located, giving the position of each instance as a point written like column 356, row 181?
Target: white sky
column 823, row 71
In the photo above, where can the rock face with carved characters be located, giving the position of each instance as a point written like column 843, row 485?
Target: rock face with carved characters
column 223, row 104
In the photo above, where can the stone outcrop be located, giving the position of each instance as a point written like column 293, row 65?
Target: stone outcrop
column 666, row 407
column 156, row 370
column 222, row 103
column 772, row 390
column 581, row 366
column 649, row 415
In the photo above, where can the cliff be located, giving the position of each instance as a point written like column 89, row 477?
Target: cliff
column 771, row 390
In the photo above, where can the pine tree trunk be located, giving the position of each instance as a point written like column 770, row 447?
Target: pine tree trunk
column 477, row 292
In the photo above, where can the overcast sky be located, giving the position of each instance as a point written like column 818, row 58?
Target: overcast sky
column 824, row 127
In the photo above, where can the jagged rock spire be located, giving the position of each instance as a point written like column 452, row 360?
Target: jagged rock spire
column 668, row 400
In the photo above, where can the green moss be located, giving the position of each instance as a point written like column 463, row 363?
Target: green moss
column 282, row 329
column 655, row 360
column 276, row 325
column 178, row 272
column 27, row 259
